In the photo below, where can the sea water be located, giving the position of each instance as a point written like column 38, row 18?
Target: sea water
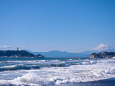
column 54, row 71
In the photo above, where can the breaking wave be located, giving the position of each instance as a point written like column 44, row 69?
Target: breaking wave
column 60, row 72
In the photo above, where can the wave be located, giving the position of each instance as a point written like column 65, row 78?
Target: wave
column 87, row 70
column 19, row 67
column 37, row 64
column 27, row 65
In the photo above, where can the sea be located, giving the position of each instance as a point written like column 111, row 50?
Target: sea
column 57, row 72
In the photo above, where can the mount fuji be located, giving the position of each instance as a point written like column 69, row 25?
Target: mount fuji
column 100, row 48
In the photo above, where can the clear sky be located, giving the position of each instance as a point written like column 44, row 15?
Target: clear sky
column 65, row 25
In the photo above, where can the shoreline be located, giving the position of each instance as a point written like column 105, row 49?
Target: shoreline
column 105, row 82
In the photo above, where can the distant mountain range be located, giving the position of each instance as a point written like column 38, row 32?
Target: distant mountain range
column 56, row 53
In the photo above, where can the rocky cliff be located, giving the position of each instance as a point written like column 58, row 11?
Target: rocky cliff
column 103, row 55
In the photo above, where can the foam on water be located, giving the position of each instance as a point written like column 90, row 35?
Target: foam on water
column 87, row 70
column 31, row 64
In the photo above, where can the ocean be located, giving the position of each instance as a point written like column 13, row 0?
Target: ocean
column 57, row 72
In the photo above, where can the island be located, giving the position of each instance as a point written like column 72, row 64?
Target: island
column 103, row 55
column 18, row 54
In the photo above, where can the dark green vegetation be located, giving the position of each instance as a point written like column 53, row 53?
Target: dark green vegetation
column 18, row 54
column 103, row 55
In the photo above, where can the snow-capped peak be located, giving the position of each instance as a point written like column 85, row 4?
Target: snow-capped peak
column 101, row 47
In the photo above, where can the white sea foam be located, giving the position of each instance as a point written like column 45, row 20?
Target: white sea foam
column 89, row 70
column 36, row 61
column 10, row 66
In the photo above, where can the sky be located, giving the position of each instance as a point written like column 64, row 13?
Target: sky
column 65, row 25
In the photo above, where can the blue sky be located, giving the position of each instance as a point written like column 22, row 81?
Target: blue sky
column 66, row 25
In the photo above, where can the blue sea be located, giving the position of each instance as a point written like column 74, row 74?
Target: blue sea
column 57, row 72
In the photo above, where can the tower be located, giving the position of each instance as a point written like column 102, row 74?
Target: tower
column 17, row 48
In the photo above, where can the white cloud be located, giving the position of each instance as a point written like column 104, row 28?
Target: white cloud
column 46, row 47
column 6, row 47
column 11, row 47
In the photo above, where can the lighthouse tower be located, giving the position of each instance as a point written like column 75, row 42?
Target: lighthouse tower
column 17, row 48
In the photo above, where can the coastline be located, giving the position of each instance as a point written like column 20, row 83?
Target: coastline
column 105, row 82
